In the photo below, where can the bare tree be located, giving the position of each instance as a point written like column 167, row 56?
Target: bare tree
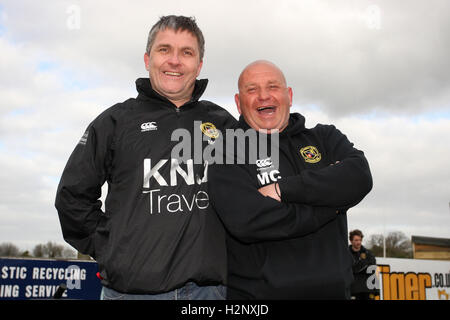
column 397, row 245
column 39, row 251
column 69, row 253
column 54, row 250
column 49, row 250
column 9, row 249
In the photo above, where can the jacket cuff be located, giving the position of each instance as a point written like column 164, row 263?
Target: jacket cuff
column 291, row 189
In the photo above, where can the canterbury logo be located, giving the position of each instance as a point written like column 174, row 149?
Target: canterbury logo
column 148, row 126
column 264, row 163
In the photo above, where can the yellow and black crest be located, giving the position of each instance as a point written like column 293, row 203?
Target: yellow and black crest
column 209, row 130
column 311, row 154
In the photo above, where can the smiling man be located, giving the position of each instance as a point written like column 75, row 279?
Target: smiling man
column 174, row 61
column 158, row 237
column 287, row 233
column 264, row 99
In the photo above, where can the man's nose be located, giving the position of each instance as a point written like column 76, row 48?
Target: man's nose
column 174, row 58
column 263, row 94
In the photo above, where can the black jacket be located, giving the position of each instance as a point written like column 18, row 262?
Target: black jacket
column 297, row 248
column 362, row 259
column 158, row 230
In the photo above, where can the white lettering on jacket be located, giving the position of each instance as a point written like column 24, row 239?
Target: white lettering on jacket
column 176, row 202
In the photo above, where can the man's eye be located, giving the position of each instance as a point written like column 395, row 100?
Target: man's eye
column 163, row 49
column 188, row 53
column 251, row 90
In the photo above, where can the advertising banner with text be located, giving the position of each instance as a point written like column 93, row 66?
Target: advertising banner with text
column 412, row 279
column 23, row 279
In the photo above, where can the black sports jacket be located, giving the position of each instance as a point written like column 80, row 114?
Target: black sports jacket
column 297, row 248
column 362, row 259
column 158, row 230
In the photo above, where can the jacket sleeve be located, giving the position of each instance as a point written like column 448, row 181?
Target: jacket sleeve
column 77, row 197
column 340, row 185
column 250, row 217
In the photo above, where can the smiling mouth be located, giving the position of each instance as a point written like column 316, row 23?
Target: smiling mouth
column 173, row 74
column 266, row 110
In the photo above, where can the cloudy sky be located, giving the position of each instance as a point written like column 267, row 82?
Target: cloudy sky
column 378, row 70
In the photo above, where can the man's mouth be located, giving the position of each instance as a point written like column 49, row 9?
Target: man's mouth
column 173, row 74
column 266, row 110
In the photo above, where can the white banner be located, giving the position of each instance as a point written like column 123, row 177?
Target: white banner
column 411, row 279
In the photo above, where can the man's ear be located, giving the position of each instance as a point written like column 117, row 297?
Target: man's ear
column 238, row 104
column 147, row 61
column 199, row 68
column 290, row 96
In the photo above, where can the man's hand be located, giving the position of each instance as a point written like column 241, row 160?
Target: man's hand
column 271, row 190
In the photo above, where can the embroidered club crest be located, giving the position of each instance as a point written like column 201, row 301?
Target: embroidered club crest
column 310, row 154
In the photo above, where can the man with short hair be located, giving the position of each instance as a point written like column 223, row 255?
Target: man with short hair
column 362, row 259
column 158, row 237
column 286, row 220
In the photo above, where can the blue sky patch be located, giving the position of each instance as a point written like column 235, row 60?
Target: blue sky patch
column 72, row 83
column 17, row 112
column 44, row 66
column 69, row 79
column 435, row 115
column 2, row 26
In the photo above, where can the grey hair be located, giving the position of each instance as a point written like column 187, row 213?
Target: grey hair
column 177, row 23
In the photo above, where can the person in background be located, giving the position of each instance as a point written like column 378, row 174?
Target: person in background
column 362, row 259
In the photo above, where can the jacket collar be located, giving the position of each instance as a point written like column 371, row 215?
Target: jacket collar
column 296, row 124
column 363, row 249
column 145, row 90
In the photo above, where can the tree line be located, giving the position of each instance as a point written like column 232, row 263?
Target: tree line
column 49, row 250
column 397, row 246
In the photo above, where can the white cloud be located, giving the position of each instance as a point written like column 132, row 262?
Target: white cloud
column 377, row 80
column 331, row 52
